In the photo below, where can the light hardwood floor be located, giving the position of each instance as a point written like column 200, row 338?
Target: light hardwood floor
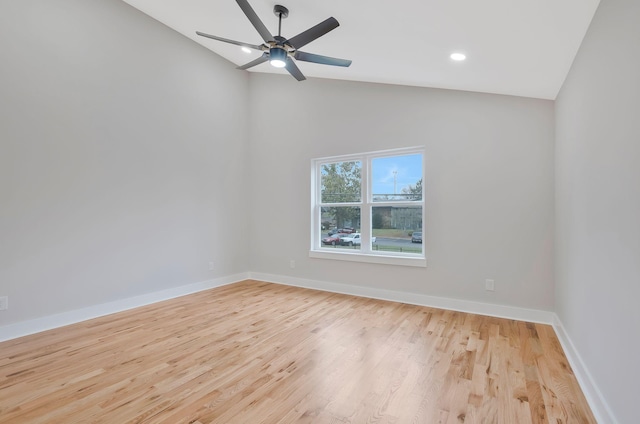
column 255, row 352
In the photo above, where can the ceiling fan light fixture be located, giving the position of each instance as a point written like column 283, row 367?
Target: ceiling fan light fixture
column 277, row 57
column 458, row 57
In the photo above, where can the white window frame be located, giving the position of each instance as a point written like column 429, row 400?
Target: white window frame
column 366, row 203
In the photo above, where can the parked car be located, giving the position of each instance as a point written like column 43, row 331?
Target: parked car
column 333, row 239
column 350, row 239
column 416, row 237
column 353, row 239
column 347, row 230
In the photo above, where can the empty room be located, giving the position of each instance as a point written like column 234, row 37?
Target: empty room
column 250, row 211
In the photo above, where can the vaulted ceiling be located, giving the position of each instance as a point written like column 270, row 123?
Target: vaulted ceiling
column 513, row 47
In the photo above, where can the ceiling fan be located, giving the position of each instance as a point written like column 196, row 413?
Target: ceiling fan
column 278, row 50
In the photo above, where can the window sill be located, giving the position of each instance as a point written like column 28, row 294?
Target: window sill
column 370, row 258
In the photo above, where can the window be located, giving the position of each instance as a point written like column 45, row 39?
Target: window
column 367, row 207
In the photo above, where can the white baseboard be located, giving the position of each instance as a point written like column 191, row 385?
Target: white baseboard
column 599, row 406
column 24, row 328
column 500, row 311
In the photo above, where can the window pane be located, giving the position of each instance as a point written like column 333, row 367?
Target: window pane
column 341, row 182
column 397, row 178
column 397, row 229
column 340, row 222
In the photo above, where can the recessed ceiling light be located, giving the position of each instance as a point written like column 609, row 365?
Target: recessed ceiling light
column 246, row 49
column 458, row 56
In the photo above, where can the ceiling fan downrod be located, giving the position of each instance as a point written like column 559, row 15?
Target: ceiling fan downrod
column 281, row 12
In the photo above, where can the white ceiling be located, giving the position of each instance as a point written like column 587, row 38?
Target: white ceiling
column 514, row 47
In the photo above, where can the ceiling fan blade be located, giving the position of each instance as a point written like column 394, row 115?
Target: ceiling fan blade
column 312, row 33
column 253, row 63
column 226, row 40
column 293, row 70
column 255, row 20
column 323, row 60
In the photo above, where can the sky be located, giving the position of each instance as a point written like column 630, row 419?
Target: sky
column 408, row 170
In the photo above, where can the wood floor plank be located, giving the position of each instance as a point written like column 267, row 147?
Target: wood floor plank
column 255, row 352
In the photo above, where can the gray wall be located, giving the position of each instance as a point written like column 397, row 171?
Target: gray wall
column 489, row 183
column 122, row 152
column 598, row 204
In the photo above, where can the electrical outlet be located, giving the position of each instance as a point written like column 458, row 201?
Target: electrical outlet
column 4, row 303
column 211, row 266
column 292, row 264
column 489, row 285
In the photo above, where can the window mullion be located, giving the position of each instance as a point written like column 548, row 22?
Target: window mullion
column 365, row 210
column 316, row 218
